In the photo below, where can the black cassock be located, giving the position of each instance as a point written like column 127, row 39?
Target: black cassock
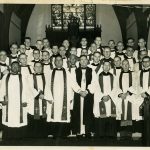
column 88, row 116
column 145, row 111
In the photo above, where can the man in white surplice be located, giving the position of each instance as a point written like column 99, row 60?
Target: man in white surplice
column 14, row 96
column 61, row 86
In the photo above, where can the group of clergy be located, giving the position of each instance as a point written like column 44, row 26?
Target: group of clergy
column 87, row 91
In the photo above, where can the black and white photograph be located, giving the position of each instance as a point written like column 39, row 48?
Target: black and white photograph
column 75, row 74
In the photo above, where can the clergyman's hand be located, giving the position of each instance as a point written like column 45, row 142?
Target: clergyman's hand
column 143, row 95
column 83, row 93
column 4, row 103
column 24, row 104
column 41, row 96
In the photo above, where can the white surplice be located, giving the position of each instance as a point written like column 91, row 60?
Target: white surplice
column 34, row 92
column 131, row 89
column 58, row 95
column 14, row 101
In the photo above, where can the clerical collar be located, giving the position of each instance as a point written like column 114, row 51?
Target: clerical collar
column 25, row 66
column 146, row 70
column 27, row 48
column 55, row 55
column 142, row 49
column 64, row 57
column 107, row 59
column 106, row 73
column 126, row 71
column 118, row 53
column 83, row 68
column 95, row 64
column 13, row 56
column 84, row 47
column 38, row 74
column 129, row 57
column 73, row 66
column 47, row 63
column 118, row 67
column 35, row 60
column 3, row 64
column 59, row 69
column 113, row 50
column 12, row 73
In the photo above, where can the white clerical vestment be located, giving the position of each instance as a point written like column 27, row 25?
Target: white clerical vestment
column 58, row 95
column 11, row 59
column 29, row 53
column 73, row 76
column 144, row 88
column 47, row 68
column 14, row 101
column 34, row 92
column 127, row 88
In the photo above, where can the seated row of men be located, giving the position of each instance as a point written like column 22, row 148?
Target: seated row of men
column 44, row 92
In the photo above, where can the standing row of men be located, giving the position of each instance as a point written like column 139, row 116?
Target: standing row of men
column 84, row 91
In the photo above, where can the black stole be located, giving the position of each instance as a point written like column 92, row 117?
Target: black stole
column 10, row 59
column 6, row 98
column 141, row 78
column 98, row 67
column 102, row 108
column 130, row 79
column 129, row 110
column 64, row 109
column 88, row 76
column 101, row 81
column 36, row 100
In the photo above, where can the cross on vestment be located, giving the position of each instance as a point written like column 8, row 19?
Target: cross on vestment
column 44, row 107
column 36, row 110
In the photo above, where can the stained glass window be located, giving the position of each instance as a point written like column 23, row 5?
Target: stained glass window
column 62, row 14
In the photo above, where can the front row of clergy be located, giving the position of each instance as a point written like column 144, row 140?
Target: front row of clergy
column 59, row 104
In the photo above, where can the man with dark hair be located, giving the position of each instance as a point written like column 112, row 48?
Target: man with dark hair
column 14, row 54
column 96, row 64
column 61, row 85
column 46, row 62
column 46, row 46
column 126, row 100
column 83, row 44
column 130, row 42
column 129, row 56
column 105, row 109
column 98, row 42
column 25, row 69
column 14, row 104
column 29, row 49
column 107, row 56
column 4, row 68
column 37, row 109
column 112, row 46
column 142, row 47
column 83, row 105
column 120, row 50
